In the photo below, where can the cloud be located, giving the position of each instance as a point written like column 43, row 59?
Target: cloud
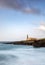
column 33, row 10
column 26, row 6
column 42, row 27
column 39, row 31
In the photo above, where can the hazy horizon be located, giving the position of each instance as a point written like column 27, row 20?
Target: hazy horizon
column 15, row 24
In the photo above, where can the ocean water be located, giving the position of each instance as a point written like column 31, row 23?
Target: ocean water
column 21, row 55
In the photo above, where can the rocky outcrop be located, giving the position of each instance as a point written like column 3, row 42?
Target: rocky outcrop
column 34, row 43
column 39, row 43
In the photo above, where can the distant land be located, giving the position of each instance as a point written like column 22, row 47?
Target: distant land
column 29, row 41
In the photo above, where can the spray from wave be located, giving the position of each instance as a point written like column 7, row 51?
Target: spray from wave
column 21, row 55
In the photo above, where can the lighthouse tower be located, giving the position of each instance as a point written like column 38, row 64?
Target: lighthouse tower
column 27, row 37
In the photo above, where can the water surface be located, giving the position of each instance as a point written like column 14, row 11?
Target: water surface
column 21, row 55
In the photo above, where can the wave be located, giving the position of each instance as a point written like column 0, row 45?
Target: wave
column 21, row 55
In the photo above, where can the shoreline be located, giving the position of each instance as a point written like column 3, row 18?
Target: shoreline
column 34, row 43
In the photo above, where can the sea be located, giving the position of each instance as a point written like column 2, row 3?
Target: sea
column 21, row 55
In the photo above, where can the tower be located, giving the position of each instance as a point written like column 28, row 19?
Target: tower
column 27, row 37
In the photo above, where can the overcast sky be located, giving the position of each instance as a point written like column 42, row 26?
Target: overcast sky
column 19, row 19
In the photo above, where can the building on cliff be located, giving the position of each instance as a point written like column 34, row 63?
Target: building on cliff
column 30, row 38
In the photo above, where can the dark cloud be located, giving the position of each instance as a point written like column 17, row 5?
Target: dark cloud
column 33, row 11
column 27, row 6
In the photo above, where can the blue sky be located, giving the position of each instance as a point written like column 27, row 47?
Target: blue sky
column 15, row 24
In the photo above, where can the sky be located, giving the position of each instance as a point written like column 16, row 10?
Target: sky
column 19, row 19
